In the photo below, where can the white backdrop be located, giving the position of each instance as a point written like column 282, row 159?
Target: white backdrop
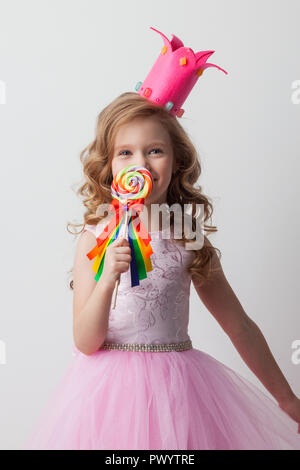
column 61, row 63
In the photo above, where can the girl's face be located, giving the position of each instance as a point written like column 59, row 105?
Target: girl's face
column 145, row 142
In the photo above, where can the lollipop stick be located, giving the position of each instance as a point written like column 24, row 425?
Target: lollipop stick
column 123, row 233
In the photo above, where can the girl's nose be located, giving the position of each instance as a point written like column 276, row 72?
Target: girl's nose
column 149, row 169
column 141, row 160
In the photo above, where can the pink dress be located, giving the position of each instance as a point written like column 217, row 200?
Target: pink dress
column 178, row 399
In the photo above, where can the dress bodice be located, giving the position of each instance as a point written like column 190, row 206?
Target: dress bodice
column 157, row 310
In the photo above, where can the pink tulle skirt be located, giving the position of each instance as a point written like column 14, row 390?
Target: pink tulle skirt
column 159, row 400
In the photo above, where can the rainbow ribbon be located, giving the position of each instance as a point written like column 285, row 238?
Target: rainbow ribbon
column 138, row 237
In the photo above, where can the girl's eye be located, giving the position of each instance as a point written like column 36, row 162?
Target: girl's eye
column 158, row 150
column 123, row 151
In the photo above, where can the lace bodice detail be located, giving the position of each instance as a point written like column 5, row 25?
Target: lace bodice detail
column 156, row 311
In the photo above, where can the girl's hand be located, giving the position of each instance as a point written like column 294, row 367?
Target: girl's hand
column 292, row 408
column 117, row 261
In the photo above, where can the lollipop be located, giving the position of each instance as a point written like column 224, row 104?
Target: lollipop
column 129, row 189
column 133, row 182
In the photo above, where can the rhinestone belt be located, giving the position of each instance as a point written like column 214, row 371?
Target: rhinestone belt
column 149, row 347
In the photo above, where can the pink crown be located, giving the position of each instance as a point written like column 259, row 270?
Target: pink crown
column 174, row 74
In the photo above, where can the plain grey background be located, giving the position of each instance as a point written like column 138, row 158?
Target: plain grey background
column 61, row 63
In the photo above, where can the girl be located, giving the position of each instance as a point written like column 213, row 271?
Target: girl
column 136, row 382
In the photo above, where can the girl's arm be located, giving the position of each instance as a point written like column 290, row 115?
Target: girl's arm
column 219, row 298
column 91, row 300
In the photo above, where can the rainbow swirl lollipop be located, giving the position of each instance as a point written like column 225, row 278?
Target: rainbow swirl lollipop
column 132, row 182
column 129, row 189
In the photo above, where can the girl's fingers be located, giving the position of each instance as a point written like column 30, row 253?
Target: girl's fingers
column 122, row 252
column 122, row 266
column 121, row 241
column 122, row 249
column 124, row 257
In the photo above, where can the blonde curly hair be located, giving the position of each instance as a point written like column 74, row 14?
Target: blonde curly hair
column 183, row 189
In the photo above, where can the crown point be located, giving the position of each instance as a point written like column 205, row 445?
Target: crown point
column 169, row 105
column 147, row 92
column 180, row 112
column 164, row 50
column 138, row 86
column 199, row 72
column 183, row 61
